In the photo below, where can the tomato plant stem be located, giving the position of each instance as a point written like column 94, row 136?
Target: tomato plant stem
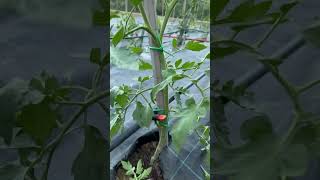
column 163, row 142
column 308, row 86
column 269, row 32
column 159, row 65
column 167, row 16
column 54, row 143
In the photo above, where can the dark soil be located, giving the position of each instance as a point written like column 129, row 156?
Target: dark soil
column 144, row 152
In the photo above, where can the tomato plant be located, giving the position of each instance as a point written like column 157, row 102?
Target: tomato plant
column 263, row 154
column 166, row 75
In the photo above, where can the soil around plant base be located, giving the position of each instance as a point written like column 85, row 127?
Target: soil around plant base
column 143, row 152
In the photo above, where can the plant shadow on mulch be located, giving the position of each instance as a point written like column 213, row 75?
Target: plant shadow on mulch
column 144, row 148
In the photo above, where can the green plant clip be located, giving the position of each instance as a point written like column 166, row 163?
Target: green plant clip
column 161, row 48
column 162, row 124
column 158, row 111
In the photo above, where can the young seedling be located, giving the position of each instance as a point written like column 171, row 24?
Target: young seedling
column 136, row 173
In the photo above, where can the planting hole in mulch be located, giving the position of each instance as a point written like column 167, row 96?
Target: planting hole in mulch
column 145, row 147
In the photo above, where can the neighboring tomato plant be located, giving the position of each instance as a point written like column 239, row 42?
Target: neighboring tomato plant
column 263, row 155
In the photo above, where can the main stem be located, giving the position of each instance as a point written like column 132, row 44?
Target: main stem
column 163, row 131
column 159, row 65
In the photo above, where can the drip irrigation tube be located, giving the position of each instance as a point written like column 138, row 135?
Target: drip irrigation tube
column 169, row 35
column 186, row 38
column 135, row 127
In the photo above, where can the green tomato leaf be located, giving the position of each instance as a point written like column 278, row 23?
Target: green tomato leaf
column 208, row 56
column 248, row 10
column 294, row 160
column 95, row 56
column 106, row 59
column 145, row 173
column 49, row 86
column 118, row 36
column 249, row 13
column 130, row 172
column 120, row 95
column 13, row 96
column 219, row 6
column 12, row 171
column 159, row 87
column 242, row 11
column 260, row 9
column 177, row 63
column 32, row 97
column 178, row 77
column 21, row 141
column 143, row 79
column 8, row 109
column 38, row 120
column 188, row 65
column 136, row 50
column 126, row 165
column 312, row 34
column 139, row 167
column 92, row 161
column 113, row 93
column 123, row 58
column 100, row 18
column 188, row 120
column 226, row 47
column 116, row 125
column 268, row 158
column 255, row 128
column 114, row 14
column 37, row 84
column 15, row 88
column 195, row 46
column 142, row 115
column 308, row 133
column 25, row 155
column 122, row 100
column 168, row 72
column 51, row 83
column 136, row 2
column 143, row 65
column 285, row 8
column 175, row 43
